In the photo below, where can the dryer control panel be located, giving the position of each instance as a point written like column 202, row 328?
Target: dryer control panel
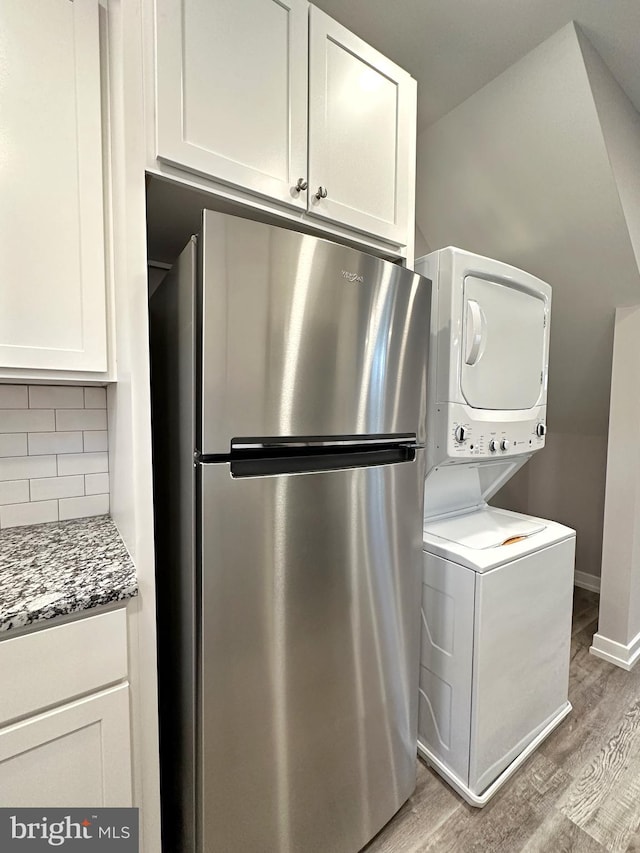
column 469, row 440
column 464, row 434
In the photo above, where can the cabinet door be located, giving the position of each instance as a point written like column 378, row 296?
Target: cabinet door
column 231, row 91
column 362, row 133
column 52, row 269
column 74, row 756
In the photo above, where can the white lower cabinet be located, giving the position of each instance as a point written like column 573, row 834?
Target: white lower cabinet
column 74, row 756
column 64, row 715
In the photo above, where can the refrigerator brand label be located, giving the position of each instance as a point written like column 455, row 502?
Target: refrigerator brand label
column 102, row 830
column 352, row 276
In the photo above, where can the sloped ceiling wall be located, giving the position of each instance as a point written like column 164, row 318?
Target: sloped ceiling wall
column 453, row 47
column 620, row 124
column 521, row 172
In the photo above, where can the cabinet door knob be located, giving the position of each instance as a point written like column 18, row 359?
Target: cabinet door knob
column 322, row 193
column 301, row 185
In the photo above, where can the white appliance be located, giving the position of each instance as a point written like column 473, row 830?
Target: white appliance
column 497, row 585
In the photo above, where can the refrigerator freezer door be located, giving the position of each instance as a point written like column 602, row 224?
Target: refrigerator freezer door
column 303, row 337
column 308, row 660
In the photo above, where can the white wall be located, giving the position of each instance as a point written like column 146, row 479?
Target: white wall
column 618, row 634
column 520, row 172
column 561, row 480
column 620, row 122
column 618, row 637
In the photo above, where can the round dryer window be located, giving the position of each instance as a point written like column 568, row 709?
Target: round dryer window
column 504, row 346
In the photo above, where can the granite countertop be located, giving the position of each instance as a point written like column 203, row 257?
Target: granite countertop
column 49, row 570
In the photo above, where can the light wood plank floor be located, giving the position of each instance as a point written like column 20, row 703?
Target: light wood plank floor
column 579, row 793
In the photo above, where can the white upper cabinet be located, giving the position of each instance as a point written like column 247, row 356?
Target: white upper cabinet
column 275, row 98
column 52, row 266
column 232, row 91
column 362, row 133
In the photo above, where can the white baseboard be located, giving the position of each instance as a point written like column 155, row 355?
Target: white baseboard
column 623, row 656
column 586, row 581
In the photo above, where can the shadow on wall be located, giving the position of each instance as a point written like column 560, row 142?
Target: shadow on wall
column 560, row 480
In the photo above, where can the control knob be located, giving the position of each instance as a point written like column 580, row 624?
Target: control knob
column 541, row 430
column 493, row 445
column 505, row 444
column 461, row 434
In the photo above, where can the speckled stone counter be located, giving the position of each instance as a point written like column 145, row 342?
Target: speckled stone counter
column 49, row 570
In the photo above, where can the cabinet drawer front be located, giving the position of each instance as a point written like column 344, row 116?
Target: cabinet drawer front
column 56, row 664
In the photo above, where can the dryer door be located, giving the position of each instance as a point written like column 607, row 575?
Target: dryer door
column 504, row 351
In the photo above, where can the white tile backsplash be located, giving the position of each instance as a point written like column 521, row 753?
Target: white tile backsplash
column 14, row 397
column 13, row 444
column 82, row 507
column 95, row 440
column 17, row 515
column 95, row 398
column 55, row 397
column 96, row 484
column 50, row 488
column 77, row 419
column 55, row 442
column 14, row 492
column 27, row 467
column 82, row 463
column 53, row 453
column 27, row 420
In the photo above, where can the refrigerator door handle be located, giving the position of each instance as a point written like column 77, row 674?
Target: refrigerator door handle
column 322, row 459
column 302, row 442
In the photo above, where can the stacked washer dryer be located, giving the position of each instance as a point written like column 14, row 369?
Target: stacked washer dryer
column 498, row 585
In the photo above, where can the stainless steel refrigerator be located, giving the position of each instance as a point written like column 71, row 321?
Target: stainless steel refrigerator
column 288, row 386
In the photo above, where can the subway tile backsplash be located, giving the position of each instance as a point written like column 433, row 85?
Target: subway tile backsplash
column 54, row 463
column 42, row 443
column 85, row 419
column 27, row 420
column 83, row 463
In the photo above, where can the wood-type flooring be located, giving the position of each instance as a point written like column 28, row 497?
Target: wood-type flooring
column 579, row 793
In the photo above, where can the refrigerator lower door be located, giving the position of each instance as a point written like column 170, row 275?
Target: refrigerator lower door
column 308, row 656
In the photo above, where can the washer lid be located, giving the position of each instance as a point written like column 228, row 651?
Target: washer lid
column 484, row 528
